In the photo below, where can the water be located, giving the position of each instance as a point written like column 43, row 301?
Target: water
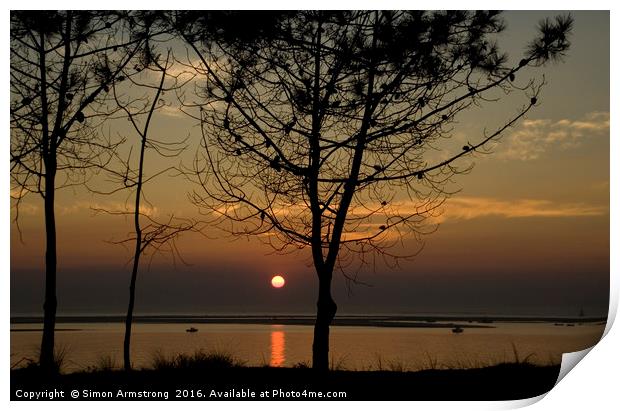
column 352, row 347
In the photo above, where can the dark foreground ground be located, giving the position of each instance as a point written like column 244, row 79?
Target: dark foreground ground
column 501, row 382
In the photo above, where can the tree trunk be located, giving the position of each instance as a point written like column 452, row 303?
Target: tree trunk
column 326, row 311
column 129, row 318
column 46, row 358
column 136, row 262
column 136, row 222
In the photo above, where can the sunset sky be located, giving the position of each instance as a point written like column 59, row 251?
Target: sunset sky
column 527, row 234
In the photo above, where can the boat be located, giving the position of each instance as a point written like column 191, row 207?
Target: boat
column 191, row 330
column 457, row 330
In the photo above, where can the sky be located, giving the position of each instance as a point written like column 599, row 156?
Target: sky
column 527, row 234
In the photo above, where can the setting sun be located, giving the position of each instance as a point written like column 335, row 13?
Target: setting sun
column 278, row 281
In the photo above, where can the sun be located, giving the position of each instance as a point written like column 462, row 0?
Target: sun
column 277, row 281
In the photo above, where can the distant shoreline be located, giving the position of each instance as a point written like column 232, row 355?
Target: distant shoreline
column 21, row 330
column 396, row 321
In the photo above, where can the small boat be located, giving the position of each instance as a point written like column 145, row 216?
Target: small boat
column 191, row 330
column 457, row 330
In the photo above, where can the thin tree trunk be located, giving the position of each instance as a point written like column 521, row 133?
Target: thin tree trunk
column 139, row 246
column 136, row 263
column 130, row 306
column 46, row 359
column 326, row 311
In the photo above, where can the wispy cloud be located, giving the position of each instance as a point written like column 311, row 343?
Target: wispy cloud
column 28, row 209
column 467, row 208
column 110, row 207
column 456, row 208
column 535, row 137
column 171, row 111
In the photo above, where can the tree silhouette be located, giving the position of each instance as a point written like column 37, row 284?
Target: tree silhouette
column 63, row 65
column 334, row 132
column 149, row 233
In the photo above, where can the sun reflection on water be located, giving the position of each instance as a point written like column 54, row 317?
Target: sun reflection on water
column 277, row 349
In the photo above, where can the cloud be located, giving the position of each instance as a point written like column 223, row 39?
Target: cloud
column 28, row 209
column 183, row 72
column 535, row 137
column 467, row 208
column 171, row 111
column 186, row 71
column 461, row 208
column 110, row 207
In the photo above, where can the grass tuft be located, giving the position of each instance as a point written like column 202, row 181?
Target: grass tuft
column 518, row 359
column 104, row 363
column 302, row 364
column 338, row 365
column 199, row 360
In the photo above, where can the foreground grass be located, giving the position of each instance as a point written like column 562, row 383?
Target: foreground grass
column 219, row 358
column 199, row 360
column 220, row 371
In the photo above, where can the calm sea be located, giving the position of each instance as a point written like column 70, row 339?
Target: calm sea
column 352, row 347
